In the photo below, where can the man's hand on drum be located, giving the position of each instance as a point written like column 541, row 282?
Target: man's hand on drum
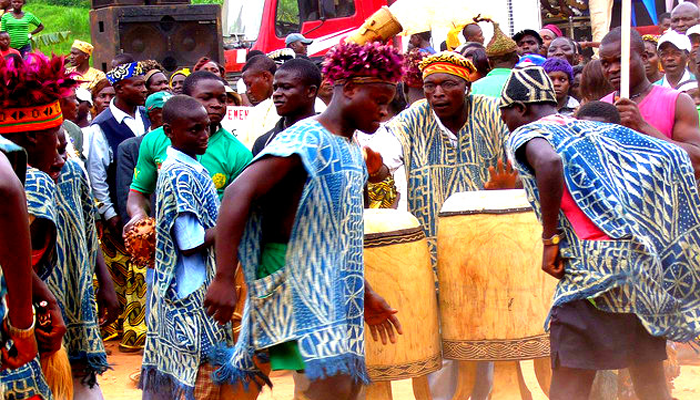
column 380, row 317
column 502, row 177
column 552, row 262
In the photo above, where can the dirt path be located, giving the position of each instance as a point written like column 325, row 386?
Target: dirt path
column 117, row 385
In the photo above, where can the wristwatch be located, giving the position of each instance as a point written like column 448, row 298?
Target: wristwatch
column 553, row 241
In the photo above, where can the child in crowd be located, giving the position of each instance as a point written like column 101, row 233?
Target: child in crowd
column 5, row 48
column 562, row 75
column 180, row 334
column 599, row 111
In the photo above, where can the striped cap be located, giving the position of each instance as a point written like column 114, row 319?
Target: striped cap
column 527, row 85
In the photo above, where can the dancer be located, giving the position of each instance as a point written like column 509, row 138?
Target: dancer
column 296, row 213
column 622, row 241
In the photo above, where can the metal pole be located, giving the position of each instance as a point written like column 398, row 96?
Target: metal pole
column 625, row 23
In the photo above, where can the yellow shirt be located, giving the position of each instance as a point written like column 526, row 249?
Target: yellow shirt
column 90, row 78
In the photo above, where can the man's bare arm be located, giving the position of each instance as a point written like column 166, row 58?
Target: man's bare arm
column 15, row 252
column 255, row 181
column 548, row 169
column 547, row 166
column 686, row 131
column 138, row 206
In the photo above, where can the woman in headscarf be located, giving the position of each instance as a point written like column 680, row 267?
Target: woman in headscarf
column 177, row 79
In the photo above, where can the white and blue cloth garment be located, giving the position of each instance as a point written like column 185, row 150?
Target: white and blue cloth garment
column 180, row 333
column 70, row 280
column 317, row 299
column 641, row 192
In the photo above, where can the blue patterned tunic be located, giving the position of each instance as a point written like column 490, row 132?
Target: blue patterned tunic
column 71, row 279
column 180, row 334
column 317, row 299
column 641, row 192
column 41, row 196
column 28, row 380
column 435, row 168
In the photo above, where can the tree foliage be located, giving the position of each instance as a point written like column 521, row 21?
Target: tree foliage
column 49, row 40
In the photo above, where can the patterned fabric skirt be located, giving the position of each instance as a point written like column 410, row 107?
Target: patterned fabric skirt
column 130, row 285
column 382, row 194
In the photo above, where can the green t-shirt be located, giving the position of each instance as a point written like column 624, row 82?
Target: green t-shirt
column 492, row 84
column 226, row 157
column 18, row 29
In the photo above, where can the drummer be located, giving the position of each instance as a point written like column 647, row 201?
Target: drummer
column 447, row 144
column 628, row 278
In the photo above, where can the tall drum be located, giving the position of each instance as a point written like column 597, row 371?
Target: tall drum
column 494, row 297
column 397, row 265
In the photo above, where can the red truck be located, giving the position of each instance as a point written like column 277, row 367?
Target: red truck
column 264, row 24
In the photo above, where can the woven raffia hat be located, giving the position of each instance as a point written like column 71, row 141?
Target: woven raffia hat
column 527, row 85
column 500, row 44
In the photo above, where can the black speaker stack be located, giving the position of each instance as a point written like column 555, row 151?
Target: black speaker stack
column 172, row 32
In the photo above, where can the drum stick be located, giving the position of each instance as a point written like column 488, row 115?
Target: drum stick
column 625, row 23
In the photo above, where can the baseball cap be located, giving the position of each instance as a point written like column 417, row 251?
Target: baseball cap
column 296, row 37
column 679, row 40
column 83, row 95
column 528, row 32
column 694, row 30
column 531, row 59
column 156, row 100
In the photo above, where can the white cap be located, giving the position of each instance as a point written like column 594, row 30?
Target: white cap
column 694, row 30
column 677, row 39
column 83, row 95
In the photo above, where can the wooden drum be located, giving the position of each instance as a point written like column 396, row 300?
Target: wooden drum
column 397, row 265
column 494, row 297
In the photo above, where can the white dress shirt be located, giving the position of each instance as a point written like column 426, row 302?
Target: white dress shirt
column 388, row 145
column 100, row 157
column 263, row 118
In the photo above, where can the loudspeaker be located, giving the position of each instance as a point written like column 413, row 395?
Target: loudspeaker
column 107, row 3
column 174, row 35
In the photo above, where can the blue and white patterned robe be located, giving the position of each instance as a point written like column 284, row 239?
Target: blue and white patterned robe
column 435, row 168
column 71, row 279
column 641, row 192
column 317, row 299
column 180, row 333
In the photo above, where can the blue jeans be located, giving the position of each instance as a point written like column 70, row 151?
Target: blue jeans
column 27, row 48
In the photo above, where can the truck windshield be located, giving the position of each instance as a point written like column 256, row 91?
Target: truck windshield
column 243, row 19
column 291, row 14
